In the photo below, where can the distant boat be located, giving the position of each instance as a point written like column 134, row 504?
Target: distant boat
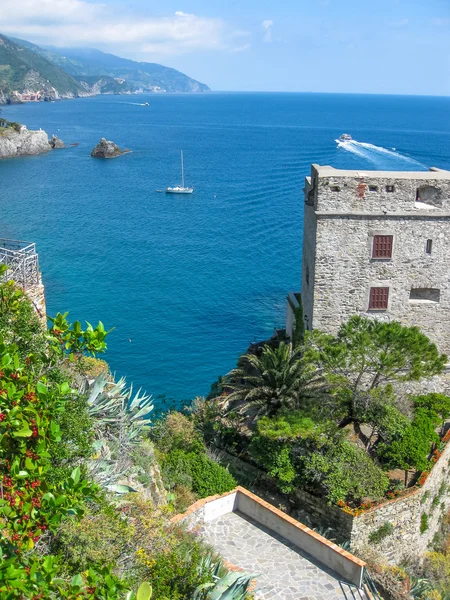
column 345, row 137
column 180, row 189
column 146, row 104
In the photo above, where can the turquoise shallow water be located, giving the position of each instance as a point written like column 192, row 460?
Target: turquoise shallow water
column 192, row 280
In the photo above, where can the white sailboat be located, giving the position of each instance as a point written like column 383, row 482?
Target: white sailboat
column 180, row 189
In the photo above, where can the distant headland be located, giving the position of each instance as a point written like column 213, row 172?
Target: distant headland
column 31, row 73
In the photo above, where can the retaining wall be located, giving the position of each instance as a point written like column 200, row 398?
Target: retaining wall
column 319, row 548
column 404, row 513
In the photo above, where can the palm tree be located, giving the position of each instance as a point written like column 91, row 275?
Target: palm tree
column 278, row 378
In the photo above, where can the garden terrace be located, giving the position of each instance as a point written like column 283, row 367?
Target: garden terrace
column 290, row 560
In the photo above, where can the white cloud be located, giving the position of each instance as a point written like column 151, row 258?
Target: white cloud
column 85, row 23
column 241, row 48
column 267, row 26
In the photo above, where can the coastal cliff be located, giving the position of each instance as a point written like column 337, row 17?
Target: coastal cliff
column 22, row 143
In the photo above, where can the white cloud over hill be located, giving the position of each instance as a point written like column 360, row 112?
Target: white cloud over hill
column 83, row 23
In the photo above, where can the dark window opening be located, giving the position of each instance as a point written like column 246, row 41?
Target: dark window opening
column 378, row 298
column 390, row 188
column 373, row 188
column 425, row 294
column 429, row 246
column 429, row 195
column 335, row 188
column 382, row 246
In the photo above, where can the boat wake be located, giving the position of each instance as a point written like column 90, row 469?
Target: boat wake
column 136, row 103
column 382, row 157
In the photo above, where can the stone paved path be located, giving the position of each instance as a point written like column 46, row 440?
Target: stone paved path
column 285, row 574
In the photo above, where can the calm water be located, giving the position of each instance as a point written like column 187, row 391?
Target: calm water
column 191, row 281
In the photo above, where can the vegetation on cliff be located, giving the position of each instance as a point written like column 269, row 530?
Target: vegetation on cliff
column 83, row 510
column 22, row 69
column 97, row 72
column 330, row 415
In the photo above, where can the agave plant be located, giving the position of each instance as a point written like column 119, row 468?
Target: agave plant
column 419, row 587
column 113, row 407
column 120, row 420
column 231, row 586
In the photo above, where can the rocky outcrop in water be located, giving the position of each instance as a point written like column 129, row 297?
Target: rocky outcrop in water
column 107, row 149
column 23, row 143
column 56, row 143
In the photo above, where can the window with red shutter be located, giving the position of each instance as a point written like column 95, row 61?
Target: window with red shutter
column 382, row 246
column 378, row 299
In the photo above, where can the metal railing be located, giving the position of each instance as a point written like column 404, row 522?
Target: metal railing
column 370, row 586
column 22, row 261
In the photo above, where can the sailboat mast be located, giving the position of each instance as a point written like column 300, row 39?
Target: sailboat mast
column 182, row 170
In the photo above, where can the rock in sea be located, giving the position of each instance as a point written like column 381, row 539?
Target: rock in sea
column 56, row 143
column 107, row 149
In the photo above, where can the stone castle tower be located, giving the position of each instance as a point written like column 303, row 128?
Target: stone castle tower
column 376, row 244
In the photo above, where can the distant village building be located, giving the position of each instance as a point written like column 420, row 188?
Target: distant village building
column 376, row 244
column 29, row 96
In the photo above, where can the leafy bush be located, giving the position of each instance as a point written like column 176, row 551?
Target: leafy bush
column 20, row 325
column 77, row 437
column 345, row 473
column 274, row 457
column 382, row 532
column 208, row 477
column 437, row 405
column 101, row 537
column 413, row 448
column 287, row 426
column 176, row 431
column 437, row 569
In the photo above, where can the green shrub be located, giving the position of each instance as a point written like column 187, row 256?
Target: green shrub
column 274, row 457
column 411, row 450
column 207, row 477
column 423, row 523
column 344, row 472
column 99, row 539
column 174, row 574
column 382, row 532
column 76, row 438
column 286, row 426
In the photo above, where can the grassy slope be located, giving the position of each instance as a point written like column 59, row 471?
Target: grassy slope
column 21, row 68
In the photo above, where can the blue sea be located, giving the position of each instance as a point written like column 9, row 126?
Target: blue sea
column 188, row 282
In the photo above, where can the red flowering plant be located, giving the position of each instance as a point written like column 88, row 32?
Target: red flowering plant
column 422, row 478
column 27, row 429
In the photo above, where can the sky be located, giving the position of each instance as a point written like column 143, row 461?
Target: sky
column 353, row 46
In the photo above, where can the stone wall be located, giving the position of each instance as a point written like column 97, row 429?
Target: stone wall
column 405, row 514
column 342, row 216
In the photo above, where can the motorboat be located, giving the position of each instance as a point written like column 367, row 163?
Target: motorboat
column 345, row 137
column 180, row 189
